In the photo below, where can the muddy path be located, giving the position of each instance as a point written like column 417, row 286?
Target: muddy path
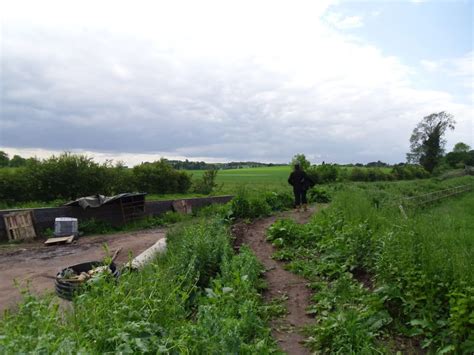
column 36, row 264
column 287, row 330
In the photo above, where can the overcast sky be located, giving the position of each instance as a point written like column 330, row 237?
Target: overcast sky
column 341, row 81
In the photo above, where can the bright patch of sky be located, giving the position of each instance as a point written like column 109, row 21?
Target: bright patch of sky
column 434, row 37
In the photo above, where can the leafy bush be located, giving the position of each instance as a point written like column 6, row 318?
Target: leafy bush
column 15, row 185
column 207, row 183
column 319, row 194
column 408, row 172
column 278, row 201
column 160, row 177
column 322, row 174
column 358, row 174
column 69, row 176
column 244, row 205
column 286, row 232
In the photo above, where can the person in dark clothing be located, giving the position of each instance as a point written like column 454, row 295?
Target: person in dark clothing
column 301, row 182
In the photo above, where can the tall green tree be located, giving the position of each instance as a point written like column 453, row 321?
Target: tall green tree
column 4, row 160
column 461, row 148
column 460, row 155
column 301, row 160
column 427, row 142
column 17, row 161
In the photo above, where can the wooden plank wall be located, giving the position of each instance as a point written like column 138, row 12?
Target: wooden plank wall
column 112, row 213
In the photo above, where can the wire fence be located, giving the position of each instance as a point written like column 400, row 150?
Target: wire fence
column 425, row 199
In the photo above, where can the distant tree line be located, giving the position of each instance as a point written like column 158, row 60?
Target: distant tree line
column 69, row 176
column 14, row 162
column 201, row 165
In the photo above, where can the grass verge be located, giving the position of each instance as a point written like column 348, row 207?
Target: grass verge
column 383, row 283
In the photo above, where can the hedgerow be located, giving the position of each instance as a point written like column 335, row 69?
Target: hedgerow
column 68, row 176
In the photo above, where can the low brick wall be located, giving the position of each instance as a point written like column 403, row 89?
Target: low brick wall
column 44, row 217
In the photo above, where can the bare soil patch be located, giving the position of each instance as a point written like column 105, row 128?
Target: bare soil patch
column 36, row 265
column 286, row 330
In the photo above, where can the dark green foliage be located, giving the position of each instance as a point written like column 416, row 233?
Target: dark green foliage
column 377, row 164
column 69, row 176
column 358, row 174
column 17, row 161
column 324, row 173
column 245, row 205
column 409, row 172
column 426, row 141
column 229, row 318
column 460, row 156
column 278, row 201
column 287, row 232
column 329, row 173
column 160, row 177
column 457, row 159
column 15, row 184
column 470, row 158
column 4, row 159
column 248, row 205
column 64, row 177
column 207, row 183
column 198, row 298
column 319, row 194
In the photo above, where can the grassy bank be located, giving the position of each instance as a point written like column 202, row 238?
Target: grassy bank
column 383, row 283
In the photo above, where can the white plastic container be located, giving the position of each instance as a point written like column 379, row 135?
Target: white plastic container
column 65, row 226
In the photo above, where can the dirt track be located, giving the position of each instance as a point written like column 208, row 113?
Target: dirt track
column 38, row 264
column 280, row 283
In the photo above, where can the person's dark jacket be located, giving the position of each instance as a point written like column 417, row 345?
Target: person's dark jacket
column 300, row 180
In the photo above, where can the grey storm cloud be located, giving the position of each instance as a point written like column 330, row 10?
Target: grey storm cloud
column 105, row 92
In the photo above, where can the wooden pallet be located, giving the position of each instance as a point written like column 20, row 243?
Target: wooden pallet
column 133, row 207
column 20, row 225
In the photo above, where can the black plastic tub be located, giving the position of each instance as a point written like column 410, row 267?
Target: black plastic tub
column 67, row 289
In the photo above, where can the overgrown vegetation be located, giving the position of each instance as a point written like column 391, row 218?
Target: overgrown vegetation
column 69, row 176
column 378, row 277
column 197, row 298
column 207, row 183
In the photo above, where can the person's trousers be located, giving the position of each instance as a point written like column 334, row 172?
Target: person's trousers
column 300, row 196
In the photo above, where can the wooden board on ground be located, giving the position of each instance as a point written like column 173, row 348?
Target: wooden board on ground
column 20, row 225
column 182, row 206
column 60, row 240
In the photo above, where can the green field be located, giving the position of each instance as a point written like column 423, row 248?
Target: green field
column 255, row 178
